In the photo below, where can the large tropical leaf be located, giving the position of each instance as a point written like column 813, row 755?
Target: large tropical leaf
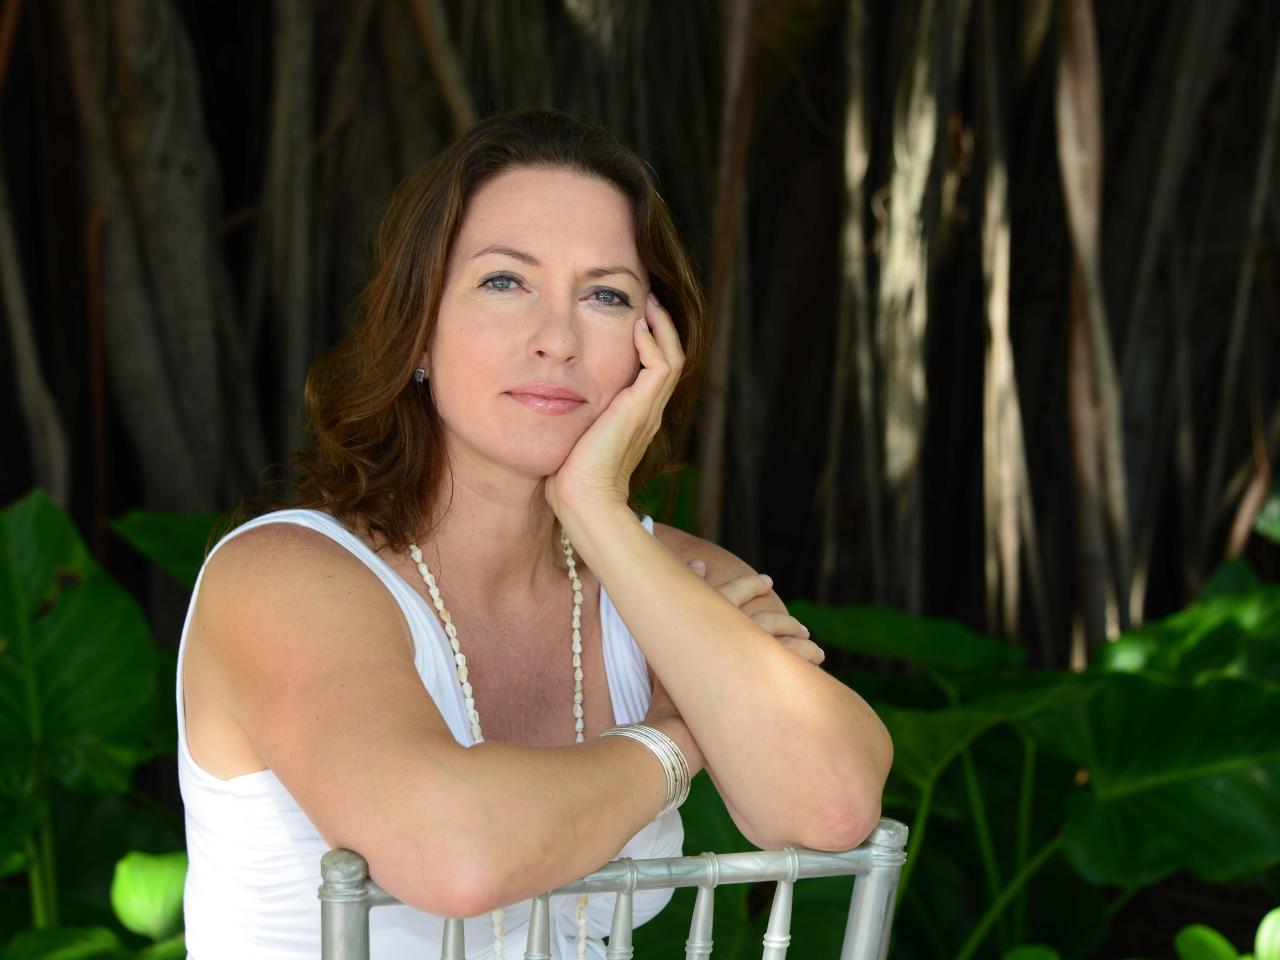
column 173, row 541
column 146, row 893
column 1180, row 776
column 1268, row 520
column 926, row 741
column 1233, row 629
column 65, row 943
column 942, row 645
column 77, row 666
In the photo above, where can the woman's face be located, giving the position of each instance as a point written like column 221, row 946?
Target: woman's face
column 543, row 287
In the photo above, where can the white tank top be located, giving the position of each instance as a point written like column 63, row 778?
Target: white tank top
column 255, row 857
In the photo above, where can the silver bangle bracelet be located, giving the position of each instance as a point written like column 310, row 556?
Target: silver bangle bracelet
column 669, row 755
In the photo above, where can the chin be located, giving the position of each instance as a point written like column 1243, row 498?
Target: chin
column 534, row 459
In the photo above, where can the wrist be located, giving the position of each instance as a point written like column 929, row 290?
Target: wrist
column 591, row 519
column 678, row 731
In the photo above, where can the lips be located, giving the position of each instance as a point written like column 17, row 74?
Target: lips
column 547, row 398
column 547, row 390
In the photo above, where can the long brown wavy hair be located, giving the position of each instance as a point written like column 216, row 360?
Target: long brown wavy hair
column 374, row 443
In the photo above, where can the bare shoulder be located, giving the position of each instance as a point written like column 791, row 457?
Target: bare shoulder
column 310, row 655
column 688, row 547
column 285, row 571
column 722, row 565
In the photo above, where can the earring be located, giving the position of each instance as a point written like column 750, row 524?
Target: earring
column 419, row 374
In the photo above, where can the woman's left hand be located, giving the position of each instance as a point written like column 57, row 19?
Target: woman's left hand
column 783, row 627
column 601, row 463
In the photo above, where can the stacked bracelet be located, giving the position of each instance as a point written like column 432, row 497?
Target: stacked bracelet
column 669, row 755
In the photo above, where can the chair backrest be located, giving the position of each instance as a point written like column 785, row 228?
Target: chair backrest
column 347, row 895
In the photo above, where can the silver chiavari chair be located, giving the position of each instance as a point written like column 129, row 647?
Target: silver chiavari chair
column 347, row 895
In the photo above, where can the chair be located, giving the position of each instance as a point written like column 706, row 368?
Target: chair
column 347, row 895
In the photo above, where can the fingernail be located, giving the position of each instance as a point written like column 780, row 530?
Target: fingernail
column 767, row 579
column 698, row 566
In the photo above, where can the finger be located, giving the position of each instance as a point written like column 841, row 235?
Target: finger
column 664, row 330
column 780, row 624
column 804, row 648
column 746, row 588
column 655, row 369
column 667, row 341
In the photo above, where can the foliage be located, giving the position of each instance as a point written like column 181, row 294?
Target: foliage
column 1268, row 519
column 79, row 710
column 146, row 893
column 1164, row 755
column 175, row 542
column 1027, row 791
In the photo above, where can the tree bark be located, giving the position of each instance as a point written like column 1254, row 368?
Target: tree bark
column 735, row 126
column 854, row 345
column 1079, row 112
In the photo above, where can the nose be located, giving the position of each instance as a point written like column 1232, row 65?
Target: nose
column 555, row 332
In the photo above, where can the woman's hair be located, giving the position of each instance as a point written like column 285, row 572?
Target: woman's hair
column 374, row 447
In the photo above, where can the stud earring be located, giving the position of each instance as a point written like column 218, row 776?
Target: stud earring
column 419, row 374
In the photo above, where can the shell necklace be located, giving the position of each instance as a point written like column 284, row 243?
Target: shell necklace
column 460, row 662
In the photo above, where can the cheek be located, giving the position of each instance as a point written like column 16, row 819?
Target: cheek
column 619, row 371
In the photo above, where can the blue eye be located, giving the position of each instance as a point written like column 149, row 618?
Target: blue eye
column 500, row 278
column 621, row 300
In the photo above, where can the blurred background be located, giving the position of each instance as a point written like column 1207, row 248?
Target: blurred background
column 994, row 396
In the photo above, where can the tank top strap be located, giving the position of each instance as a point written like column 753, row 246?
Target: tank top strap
column 432, row 657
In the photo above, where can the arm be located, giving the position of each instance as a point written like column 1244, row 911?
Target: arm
column 313, row 658
column 801, row 757
column 750, row 593
column 799, row 754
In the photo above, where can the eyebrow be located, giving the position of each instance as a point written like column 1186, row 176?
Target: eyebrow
column 594, row 273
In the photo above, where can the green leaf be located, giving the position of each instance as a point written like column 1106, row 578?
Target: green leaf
column 91, row 834
column 1267, row 522
column 926, row 741
column 1180, row 776
column 1032, row 951
column 63, row 943
column 1198, row 942
column 937, row 644
column 175, row 542
column 175, row 948
column 146, row 893
column 1231, row 576
column 77, row 665
column 18, row 819
column 1266, row 943
column 1234, row 630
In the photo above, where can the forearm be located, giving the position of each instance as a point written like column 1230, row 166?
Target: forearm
column 520, row 820
column 799, row 754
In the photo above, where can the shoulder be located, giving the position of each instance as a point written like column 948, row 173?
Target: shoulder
column 288, row 549
column 722, row 565
column 688, row 547
column 286, row 573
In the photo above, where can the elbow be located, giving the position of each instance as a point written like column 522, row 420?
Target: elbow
column 840, row 824
column 852, row 807
column 846, row 826
column 442, row 877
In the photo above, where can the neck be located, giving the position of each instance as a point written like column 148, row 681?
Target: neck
column 494, row 537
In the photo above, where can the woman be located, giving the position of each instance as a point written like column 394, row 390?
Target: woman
column 421, row 660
